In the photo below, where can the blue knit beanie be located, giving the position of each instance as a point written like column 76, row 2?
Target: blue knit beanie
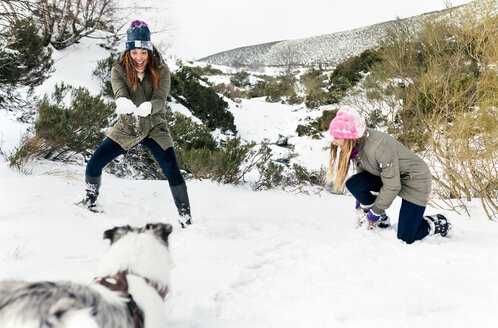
column 138, row 36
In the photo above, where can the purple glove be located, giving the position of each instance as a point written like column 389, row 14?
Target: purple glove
column 372, row 216
column 365, row 208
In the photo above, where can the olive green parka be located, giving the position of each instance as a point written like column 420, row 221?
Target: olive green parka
column 402, row 172
column 130, row 130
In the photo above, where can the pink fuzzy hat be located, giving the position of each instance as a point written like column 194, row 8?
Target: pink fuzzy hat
column 347, row 124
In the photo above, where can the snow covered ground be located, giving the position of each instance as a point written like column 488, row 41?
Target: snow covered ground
column 256, row 259
column 252, row 259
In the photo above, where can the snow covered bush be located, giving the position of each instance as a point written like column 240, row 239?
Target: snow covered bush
column 24, row 62
column 200, row 98
column 103, row 73
column 349, row 72
column 227, row 163
column 70, row 125
column 315, row 83
column 61, row 23
column 240, row 79
column 281, row 88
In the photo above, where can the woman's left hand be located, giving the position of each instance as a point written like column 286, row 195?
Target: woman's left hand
column 144, row 109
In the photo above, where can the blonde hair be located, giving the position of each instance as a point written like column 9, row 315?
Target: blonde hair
column 339, row 165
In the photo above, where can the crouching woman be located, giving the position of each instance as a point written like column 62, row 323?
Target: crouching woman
column 384, row 169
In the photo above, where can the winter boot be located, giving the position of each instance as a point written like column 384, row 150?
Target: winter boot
column 438, row 224
column 180, row 196
column 92, row 192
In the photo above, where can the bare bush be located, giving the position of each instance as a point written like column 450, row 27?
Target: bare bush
column 440, row 83
column 61, row 22
column 228, row 90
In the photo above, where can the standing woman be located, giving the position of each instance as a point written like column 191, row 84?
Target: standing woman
column 140, row 81
column 389, row 169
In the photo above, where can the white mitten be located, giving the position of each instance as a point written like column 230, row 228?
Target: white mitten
column 125, row 106
column 144, row 109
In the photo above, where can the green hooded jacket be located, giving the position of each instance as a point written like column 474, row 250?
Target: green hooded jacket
column 403, row 173
column 128, row 130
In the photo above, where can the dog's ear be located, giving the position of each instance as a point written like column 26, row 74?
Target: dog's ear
column 115, row 233
column 161, row 230
column 109, row 234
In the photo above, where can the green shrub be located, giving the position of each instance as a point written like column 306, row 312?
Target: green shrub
column 315, row 127
column 24, row 63
column 187, row 134
column 276, row 89
column 274, row 174
column 177, row 86
column 240, row 79
column 201, row 100
column 281, row 87
column 259, row 89
column 300, row 176
column 228, row 163
column 314, row 82
column 230, row 158
column 24, row 59
column 348, row 73
column 103, row 74
column 323, row 122
column 203, row 158
column 65, row 132
column 375, row 118
column 270, row 175
column 305, row 130
column 199, row 162
column 204, row 71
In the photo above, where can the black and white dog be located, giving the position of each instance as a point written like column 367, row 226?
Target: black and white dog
column 129, row 291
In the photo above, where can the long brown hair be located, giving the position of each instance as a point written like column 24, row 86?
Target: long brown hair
column 152, row 69
column 339, row 165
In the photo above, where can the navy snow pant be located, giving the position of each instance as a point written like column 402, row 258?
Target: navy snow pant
column 411, row 225
column 109, row 150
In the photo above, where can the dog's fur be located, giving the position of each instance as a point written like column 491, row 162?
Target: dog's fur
column 140, row 253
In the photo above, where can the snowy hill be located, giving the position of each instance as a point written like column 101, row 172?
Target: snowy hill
column 327, row 49
column 324, row 49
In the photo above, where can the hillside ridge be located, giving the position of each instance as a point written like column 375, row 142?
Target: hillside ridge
column 326, row 49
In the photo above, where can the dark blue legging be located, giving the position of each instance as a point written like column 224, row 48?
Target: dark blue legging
column 109, row 150
column 411, row 225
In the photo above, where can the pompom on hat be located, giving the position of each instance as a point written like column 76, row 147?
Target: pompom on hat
column 138, row 36
column 347, row 124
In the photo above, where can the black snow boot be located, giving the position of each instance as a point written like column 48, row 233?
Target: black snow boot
column 438, row 224
column 92, row 192
column 384, row 221
column 180, row 196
